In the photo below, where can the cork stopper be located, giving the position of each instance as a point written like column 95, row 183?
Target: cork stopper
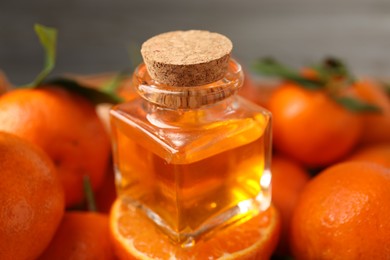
column 187, row 58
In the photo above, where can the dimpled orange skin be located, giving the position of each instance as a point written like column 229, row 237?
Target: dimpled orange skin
column 310, row 127
column 343, row 213
column 81, row 235
column 32, row 199
column 66, row 127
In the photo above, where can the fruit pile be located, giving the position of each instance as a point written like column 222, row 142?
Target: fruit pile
column 51, row 139
column 331, row 162
column 54, row 153
column 331, row 171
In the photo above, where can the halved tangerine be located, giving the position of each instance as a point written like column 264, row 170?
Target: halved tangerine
column 136, row 237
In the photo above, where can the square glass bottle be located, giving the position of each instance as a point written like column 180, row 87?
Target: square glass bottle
column 189, row 152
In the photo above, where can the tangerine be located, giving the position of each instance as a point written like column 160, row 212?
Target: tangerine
column 81, row 235
column 342, row 213
column 4, row 83
column 376, row 153
column 376, row 125
column 65, row 125
column 288, row 180
column 310, row 127
column 106, row 194
column 136, row 237
column 32, row 199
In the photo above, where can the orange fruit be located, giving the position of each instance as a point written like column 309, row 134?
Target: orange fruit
column 106, row 194
column 103, row 112
column 288, row 181
column 257, row 92
column 81, row 235
column 4, row 83
column 343, row 213
column 376, row 125
column 376, row 153
column 32, row 199
column 136, row 237
column 310, row 127
column 65, row 125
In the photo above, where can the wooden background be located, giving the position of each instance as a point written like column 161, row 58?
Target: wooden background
column 94, row 35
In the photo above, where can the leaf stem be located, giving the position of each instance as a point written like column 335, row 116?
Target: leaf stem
column 48, row 39
column 89, row 196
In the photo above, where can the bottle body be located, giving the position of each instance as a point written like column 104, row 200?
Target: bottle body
column 193, row 170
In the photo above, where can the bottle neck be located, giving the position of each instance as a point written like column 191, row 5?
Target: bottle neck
column 164, row 117
column 185, row 97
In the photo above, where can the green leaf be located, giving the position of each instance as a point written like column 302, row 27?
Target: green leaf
column 48, row 38
column 113, row 84
column 89, row 196
column 95, row 95
column 270, row 67
column 135, row 58
column 356, row 105
column 333, row 69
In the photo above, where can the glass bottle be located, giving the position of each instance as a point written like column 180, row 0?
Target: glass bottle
column 193, row 158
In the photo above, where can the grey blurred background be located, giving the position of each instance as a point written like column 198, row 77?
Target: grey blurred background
column 94, row 35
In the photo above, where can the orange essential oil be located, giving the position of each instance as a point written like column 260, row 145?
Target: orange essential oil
column 188, row 152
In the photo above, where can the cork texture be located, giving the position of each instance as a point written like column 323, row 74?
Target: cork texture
column 187, row 58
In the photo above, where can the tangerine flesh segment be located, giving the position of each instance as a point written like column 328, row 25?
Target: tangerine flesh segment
column 136, row 237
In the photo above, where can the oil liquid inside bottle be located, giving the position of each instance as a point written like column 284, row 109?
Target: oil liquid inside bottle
column 191, row 173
